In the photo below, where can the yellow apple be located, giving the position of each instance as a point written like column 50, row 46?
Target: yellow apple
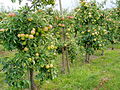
column 68, row 29
column 31, row 36
column 37, row 54
column 19, row 35
column 22, row 38
column 95, row 39
column 88, row 30
column 30, row 59
column 100, row 45
column 26, row 49
column 26, row 35
column 30, row 19
column 67, row 33
column 22, row 35
column 82, row 32
column 51, row 65
column 33, row 32
column 47, row 67
column 93, row 34
column 45, row 28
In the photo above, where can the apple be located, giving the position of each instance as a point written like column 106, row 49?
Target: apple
column 49, row 47
column 63, row 25
column 88, row 30
column 26, row 35
column 104, row 30
column 50, row 27
column 95, row 39
column 37, row 54
column 23, row 38
column 19, row 35
column 33, row 32
column 51, row 65
column 31, row 36
column 65, row 44
column 59, row 24
column 11, row 14
column 22, row 35
column 67, row 33
column 30, row 19
column 68, row 29
column 2, row 30
column 40, row 10
column 52, row 46
column 45, row 28
column 100, row 45
column 70, row 17
column 47, row 67
column 96, row 33
column 82, row 32
column 55, row 54
column 26, row 49
column 62, row 18
column 94, row 29
column 90, row 16
column 37, row 34
column 93, row 34
column 33, row 29
column 68, row 37
column 57, row 17
column 30, row 59
column 24, row 43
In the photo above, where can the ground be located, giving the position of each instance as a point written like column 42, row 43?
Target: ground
column 103, row 73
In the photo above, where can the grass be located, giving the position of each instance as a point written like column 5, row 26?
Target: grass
column 101, row 74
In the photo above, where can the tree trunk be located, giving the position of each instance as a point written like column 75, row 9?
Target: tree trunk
column 112, row 46
column 75, row 33
column 102, row 53
column 63, row 61
column 32, row 84
column 60, row 4
column 87, row 58
column 67, row 61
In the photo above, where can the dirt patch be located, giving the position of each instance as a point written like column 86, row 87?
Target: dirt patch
column 92, row 57
column 101, row 83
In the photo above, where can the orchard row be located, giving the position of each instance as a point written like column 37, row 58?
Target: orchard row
column 41, row 36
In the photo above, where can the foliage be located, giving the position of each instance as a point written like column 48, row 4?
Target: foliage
column 38, row 3
column 39, row 36
column 31, row 35
column 88, row 23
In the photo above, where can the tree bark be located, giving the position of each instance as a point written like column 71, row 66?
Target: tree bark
column 67, row 61
column 102, row 53
column 60, row 4
column 32, row 84
column 75, row 33
column 112, row 46
column 63, row 61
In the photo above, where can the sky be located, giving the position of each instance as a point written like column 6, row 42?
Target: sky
column 66, row 4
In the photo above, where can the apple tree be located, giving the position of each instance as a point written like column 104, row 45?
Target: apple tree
column 30, row 34
column 88, row 18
